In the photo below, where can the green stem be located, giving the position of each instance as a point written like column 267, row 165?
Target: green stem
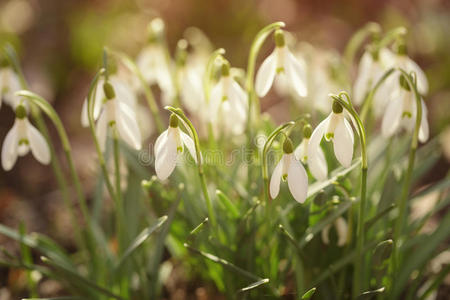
column 201, row 174
column 359, row 262
column 402, row 202
column 357, row 39
column 118, row 199
column 209, row 72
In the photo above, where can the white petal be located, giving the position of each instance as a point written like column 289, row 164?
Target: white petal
column 166, row 159
column 295, row 74
column 161, row 141
column 325, row 233
column 265, row 75
column 215, row 100
column 392, row 117
column 300, row 152
column 275, row 180
column 84, row 114
column 361, row 87
column 342, row 231
column 422, row 82
column 38, row 144
column 101, row 130
column 424, row 130
column 297, row 180
column 127, row 126
column 318, row 165
column 9, row 149
column 316, row 137
column 343, row 143
column 237, row 90
column 189, row 143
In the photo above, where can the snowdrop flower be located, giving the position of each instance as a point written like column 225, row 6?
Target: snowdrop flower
column 281, row 61
column 336, row 128
column 374, row 63
column 318, row 166
column 401, row 112
column 291, row 170
column 124, row 93
column 153, row 63
column 9, row 85
column 228, row 103
column 118, row 114
column 21, row 138
column 168, row 146
column 341, row 230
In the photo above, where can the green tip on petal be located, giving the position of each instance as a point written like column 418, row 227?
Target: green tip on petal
column 109, row 91
column 288, row 147
column 21, row 112
column 337, row 107
column 307, row 131
column 279, row 38
column 173, row 121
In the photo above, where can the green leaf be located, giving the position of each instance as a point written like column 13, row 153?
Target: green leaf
column 56, row 298
column 141, row 238
column 309, row 293
column 227, row 204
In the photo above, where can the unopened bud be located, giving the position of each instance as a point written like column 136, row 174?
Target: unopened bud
column 173, row 121
column 109, row 91
column 288, row 147
column 21, row 111
column 307, row 131
column 337, row 107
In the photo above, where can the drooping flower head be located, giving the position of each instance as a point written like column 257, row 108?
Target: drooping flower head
column 291, row 170
column 334, row 128
column 22, row 138
column 120, row 116
column 168, row 146
column 281, row 61
column 401, row 111
column 9, row 85
column 317, row 166
column 228, row 103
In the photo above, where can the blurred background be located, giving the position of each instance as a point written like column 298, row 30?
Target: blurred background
column 60, row 46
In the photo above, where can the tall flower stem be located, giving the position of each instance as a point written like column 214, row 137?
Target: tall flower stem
column 357, row 40
column 253, row 101
column 201, row 173
column 359, row 262
column 118, row 199
column 36, row 114
column 402, row 207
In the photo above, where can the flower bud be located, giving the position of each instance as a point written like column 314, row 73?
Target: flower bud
column 288, row 147
column 382, row 252
column 307, row 131
column 109, row 91
column 173, row 121
column 337, row 107
column 21, row 111
column 279, row 38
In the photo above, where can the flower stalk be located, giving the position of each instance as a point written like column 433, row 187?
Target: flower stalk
column 201, row 174
column 359, row 262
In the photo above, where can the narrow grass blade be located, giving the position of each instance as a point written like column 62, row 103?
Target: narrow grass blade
column 141, row 238
column 254, row 285
column 309, row 293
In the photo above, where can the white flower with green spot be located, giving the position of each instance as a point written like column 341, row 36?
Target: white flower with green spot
column 168, row 146
column 291, row 170
column 9, row 85
column 281, row 61
column 334, row 128
column 117, row 114
column 341, row 230
column 22, row 138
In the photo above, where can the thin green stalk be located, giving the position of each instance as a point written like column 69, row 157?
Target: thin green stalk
column 36, row 114
column 359, row 263
column 357, row 39
column 402, row 202
column 120, row 222
column 201, row 174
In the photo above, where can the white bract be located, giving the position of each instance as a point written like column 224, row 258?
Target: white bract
column 334, row 128
column 341, row 230
column 118, row 114
column 20, row 139
column 374, row 63
column 291, row 170
column 228, row 104
column 168, row 146
column 281, row 60
column 401, row 111
column 9, row 85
